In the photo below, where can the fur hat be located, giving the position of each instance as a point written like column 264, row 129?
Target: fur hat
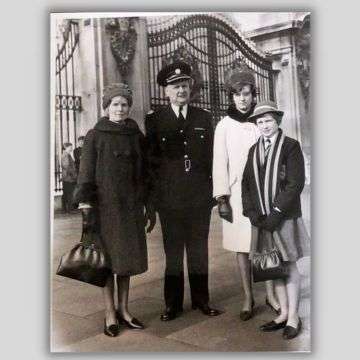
column 236, row 78
column 116, row 89
column 177, row 71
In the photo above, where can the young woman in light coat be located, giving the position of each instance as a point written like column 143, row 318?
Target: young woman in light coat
column 234, row 135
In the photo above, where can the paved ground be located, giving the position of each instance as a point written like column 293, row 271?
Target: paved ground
column 77, row 308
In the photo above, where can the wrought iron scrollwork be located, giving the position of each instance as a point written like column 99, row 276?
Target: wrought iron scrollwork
column 123, row 39
column 211, row 46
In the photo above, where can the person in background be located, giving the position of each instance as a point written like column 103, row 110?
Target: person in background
column 69, row 175
column 234, row 135
column 273, row 180
column 111, row 192
column 180, row 143
column 77, row 152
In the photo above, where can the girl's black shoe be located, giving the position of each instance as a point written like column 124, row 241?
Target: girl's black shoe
column 291, row 332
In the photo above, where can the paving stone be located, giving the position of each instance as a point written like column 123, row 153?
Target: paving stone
column 80, row 300
column 130, row 341
column 67, row 329
column 229, row 333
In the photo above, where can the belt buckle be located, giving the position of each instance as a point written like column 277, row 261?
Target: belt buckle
column 187, row 165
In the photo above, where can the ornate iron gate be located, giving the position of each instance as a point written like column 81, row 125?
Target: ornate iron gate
column 67, row 104
column 211, row 46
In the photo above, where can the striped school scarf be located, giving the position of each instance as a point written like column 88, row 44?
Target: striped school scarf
column 267, row 197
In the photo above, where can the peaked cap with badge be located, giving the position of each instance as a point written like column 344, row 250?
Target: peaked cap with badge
column 172, row 73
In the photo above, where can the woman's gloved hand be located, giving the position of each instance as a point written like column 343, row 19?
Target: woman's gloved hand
column 150, row 217
column 224, row 208
column 88, row 219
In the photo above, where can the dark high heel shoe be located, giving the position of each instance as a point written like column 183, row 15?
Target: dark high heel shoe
column 291, row 332
column 247, row 314
column 132, row 324
column 112, row 330
column 277, row 311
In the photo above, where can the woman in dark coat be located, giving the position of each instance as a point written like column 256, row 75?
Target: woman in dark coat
column 273, row 180
column 112, row 195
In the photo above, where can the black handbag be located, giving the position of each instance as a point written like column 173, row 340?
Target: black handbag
column 269, row 265
column 85, row 262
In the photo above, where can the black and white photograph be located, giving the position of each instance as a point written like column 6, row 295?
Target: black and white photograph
column 180, row 200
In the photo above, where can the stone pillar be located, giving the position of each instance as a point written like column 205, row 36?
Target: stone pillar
column 135, row 71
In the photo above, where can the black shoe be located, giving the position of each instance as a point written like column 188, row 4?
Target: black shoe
column 134, row 323
column 170, row 314
column 206, row 309
column 112, row 330
column 247, row 314
column 291, row 332
column 272, row 326
column 277, row 311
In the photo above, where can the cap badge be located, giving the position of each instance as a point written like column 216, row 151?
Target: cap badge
column 177, row 71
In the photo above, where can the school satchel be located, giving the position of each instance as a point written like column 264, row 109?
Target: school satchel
column 85, row 262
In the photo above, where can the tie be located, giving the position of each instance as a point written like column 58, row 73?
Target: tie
column 181, row 116
column 267, row 146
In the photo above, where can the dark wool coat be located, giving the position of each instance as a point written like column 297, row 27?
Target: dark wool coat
column 290, row 183
column 111, row 178
column 170, row 143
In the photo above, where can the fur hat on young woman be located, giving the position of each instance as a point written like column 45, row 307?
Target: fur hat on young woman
column 116, row 89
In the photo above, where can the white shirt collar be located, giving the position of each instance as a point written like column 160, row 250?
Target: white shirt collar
column 272, row 138
column 176, row 110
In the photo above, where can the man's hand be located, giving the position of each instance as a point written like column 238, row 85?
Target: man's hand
column 224, row 208
column 150, row 217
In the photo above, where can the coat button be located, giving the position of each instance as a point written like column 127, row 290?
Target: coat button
column 185, row 156
column 185, row 143
column 202, row 136
column 181, row 131
column 163, row 139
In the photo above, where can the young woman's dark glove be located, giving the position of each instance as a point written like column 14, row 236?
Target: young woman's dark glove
column 272, row 221
column 88, row 219
column 150, row 217
column 224, row 208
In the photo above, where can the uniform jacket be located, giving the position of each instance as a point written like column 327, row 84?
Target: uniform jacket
column 69, row 173
column 290, row 175
column 171, row 147
column 111, row 178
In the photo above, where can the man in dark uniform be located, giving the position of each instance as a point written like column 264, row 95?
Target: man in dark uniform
column 180, row 147
column 77, row 152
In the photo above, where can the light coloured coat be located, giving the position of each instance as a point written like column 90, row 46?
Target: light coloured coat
column 232, row 142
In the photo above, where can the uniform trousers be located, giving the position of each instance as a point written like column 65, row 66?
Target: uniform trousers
column 186, row 229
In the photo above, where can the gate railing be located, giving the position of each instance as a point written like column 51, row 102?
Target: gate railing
column 211, row 46
column 67, row 103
